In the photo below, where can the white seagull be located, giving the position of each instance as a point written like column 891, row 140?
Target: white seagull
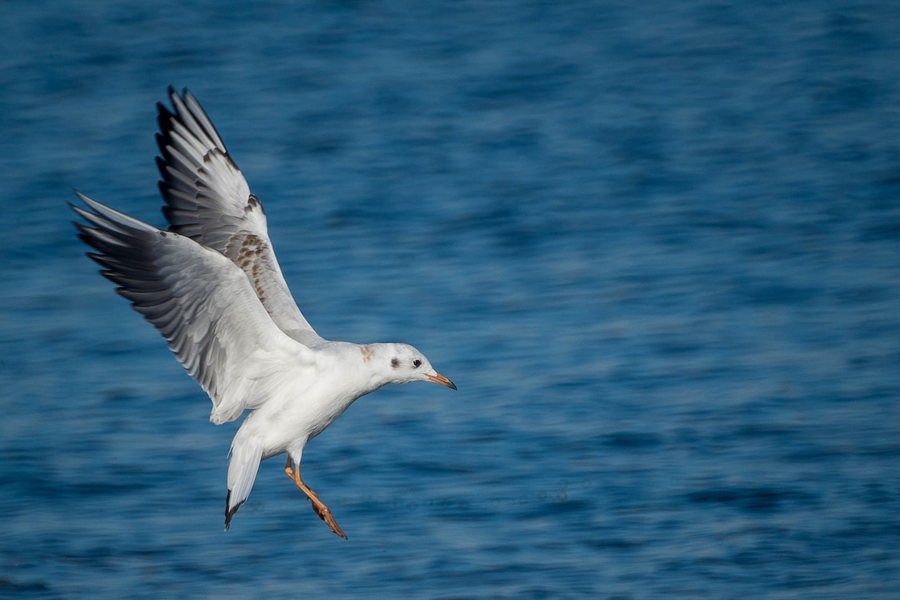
column 212, row 287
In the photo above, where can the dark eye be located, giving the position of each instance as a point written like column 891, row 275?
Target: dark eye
column 417, row 363
column 395, row 363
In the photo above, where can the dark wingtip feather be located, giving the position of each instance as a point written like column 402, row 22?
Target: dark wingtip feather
column 163, row 110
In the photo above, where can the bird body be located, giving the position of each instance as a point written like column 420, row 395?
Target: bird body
column 213, row 288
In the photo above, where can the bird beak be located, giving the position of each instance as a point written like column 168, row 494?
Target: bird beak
column 438, row 378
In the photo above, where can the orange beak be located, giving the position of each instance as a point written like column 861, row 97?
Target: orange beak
column 438, row 378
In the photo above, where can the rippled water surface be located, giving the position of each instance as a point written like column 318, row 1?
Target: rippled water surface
column 656, row 245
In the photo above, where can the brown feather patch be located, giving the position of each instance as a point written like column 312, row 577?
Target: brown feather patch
column 367, row 353
column 248, row 252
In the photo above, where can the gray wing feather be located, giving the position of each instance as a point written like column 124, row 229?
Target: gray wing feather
column 209, row 201
column 201, row 303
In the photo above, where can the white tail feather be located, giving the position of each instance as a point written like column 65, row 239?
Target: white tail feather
column 242, row 468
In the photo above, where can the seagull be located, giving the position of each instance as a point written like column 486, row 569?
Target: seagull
column 211, row 285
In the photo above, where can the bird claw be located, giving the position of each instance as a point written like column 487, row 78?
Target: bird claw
column 319, row 507
column 324, row 513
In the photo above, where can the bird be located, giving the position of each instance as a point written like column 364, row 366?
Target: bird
column 211, row 285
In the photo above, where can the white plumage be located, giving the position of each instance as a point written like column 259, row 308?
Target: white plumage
column 212, row 287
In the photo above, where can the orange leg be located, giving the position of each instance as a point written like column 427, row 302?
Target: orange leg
column 318, row 506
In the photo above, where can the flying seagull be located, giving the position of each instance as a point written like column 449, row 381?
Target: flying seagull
column 211, row 285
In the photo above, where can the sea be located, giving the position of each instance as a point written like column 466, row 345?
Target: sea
column 655, row 244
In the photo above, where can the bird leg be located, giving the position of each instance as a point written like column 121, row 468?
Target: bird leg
column 318, row 506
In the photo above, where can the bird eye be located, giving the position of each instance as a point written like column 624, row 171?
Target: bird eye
column 395, row 363
column 417, row 363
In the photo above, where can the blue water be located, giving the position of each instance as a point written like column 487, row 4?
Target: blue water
column 657, row 246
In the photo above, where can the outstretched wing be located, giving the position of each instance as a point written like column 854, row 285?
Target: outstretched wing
column 209, row 201
column 202, row 304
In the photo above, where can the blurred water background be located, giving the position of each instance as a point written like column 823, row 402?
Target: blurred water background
column 657, row 246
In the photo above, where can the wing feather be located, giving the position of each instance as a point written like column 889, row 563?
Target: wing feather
column 202, row 304
column 209, row 201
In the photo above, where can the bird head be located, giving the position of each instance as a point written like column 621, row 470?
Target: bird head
column 402, row 363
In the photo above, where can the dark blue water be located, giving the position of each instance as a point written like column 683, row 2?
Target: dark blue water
column 657, row 246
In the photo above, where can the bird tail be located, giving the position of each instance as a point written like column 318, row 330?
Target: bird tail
column 245, row 458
